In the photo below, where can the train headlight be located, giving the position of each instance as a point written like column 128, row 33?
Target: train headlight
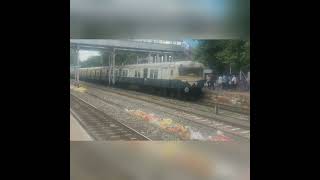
column 186, row 90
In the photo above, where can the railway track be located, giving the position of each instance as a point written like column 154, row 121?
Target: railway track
column 227, row 107
column 224, row 109
column 231, row 120
column 233, row 128
column 99, row 125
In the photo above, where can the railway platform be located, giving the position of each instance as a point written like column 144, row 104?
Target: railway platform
column 77, row 133
column 237, row 99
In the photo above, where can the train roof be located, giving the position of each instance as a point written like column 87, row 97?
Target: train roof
column 160, row 64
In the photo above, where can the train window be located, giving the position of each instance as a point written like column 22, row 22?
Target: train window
column 151, row 73
column 186, row 71
column 154, row 74
column 137, row 73
column 124, row 73
column 145, row 72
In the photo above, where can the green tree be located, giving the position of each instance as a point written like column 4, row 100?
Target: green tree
column 221, row 54
column 128, row 57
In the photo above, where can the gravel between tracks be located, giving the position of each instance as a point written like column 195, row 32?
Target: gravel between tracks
column 116, row 105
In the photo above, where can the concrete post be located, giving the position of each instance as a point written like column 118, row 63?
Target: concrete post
column 113, row 66
column 109, row 64
column 149, row 58
column 216, row 108
column 74, row 70
column 165, row 58
column 75, row 65
column 157, row 60
column 77, row 71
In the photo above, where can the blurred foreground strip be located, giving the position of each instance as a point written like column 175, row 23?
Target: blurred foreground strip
column 196, row 19
column 158, row 160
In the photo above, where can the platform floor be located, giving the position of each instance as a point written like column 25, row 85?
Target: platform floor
column 77, row 133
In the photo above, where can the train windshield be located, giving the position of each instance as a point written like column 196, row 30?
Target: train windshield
column 191, row 71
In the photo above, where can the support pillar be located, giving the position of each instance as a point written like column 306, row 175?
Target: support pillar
column 113, row 65
column 109, row 64
column 77, row 66
column 149, row 58
column 157, row 60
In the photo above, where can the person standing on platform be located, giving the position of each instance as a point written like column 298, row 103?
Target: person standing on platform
column 234, row 82
column 220, row 82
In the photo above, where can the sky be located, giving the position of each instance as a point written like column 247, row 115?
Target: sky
column 84, row 55
column 192, row 43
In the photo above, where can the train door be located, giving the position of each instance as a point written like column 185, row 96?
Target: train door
column 145, row 73
column 171, row 73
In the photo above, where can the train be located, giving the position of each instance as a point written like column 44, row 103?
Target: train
column 175, row 79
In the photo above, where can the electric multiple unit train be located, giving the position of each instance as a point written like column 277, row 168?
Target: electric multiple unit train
column 176, row 79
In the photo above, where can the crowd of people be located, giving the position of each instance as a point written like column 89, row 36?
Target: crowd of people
column 227, row 82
